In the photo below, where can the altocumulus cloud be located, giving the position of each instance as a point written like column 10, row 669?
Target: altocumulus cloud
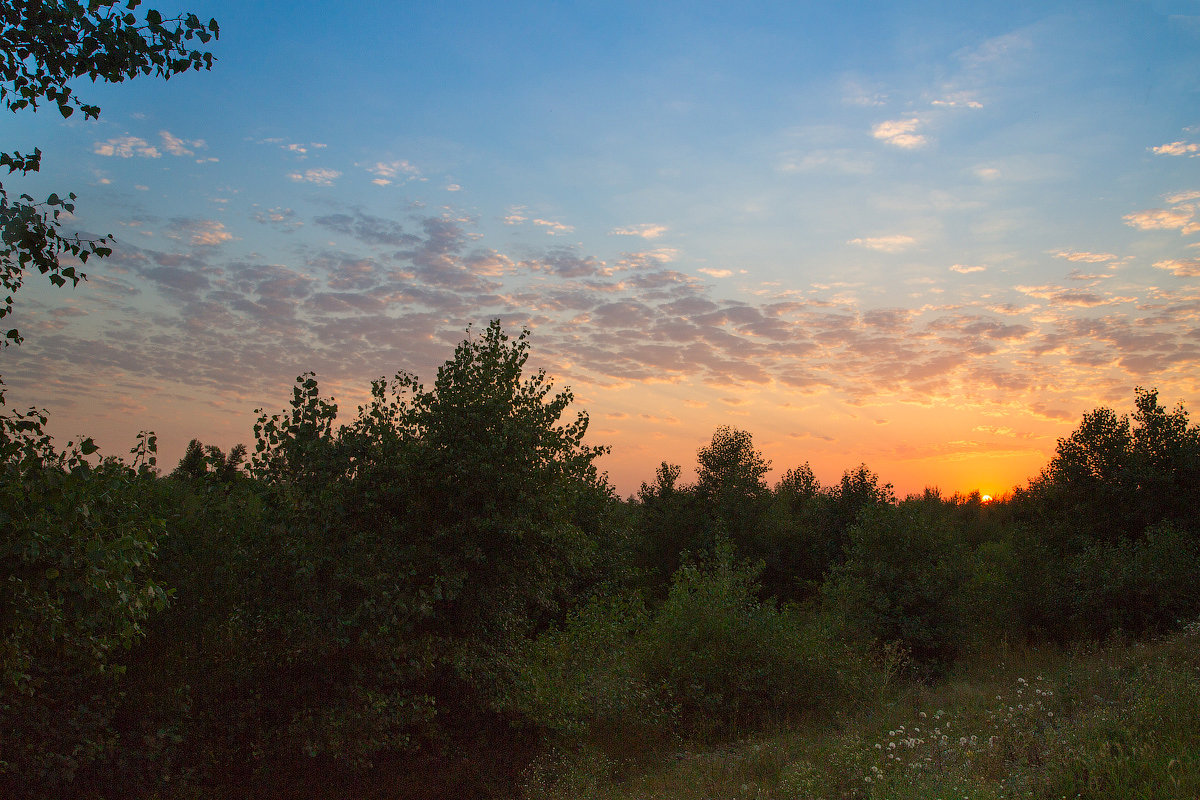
column 322, row 176
column 886, row 244
column 126, row 147
column 900, row 133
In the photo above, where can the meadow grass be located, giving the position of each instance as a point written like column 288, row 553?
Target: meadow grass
column 1109, row 720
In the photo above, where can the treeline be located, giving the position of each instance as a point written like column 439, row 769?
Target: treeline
column 448, row 573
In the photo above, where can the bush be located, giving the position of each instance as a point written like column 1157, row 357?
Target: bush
column 79, row 539
column 1135, row 586
column 710, row 660
column 723, row 658
column 582, row 678
column 903, row 581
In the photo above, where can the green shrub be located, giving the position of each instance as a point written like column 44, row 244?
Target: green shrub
column 903, row 581
column 725, row 659
column 1135, row 586
column 78, row 542
column 582, row 678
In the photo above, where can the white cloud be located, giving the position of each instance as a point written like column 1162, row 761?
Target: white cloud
column 1085, row 257
column 900, row 133
column 958, row 100
column 554, row 227
column 180, row 147
column 1181, row 268
column 716, row 273
column 1163, row 219
column 886, row 244
column 208, row 233
column 1177, row 149
column 388, row 171
column 126, row 147
column 200, row 232
column 645, row 230
column 987, row 173
column 298, row 148
column 320, row 176
column 453, row 187
column 1182, row 197
column 964, row 269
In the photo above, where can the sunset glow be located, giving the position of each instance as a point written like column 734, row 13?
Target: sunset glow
column 922, row 237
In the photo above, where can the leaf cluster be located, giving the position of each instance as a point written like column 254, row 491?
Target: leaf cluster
column 44, row 46
column 48, row 43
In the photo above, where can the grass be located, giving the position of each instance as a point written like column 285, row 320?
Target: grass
column 1114, row 720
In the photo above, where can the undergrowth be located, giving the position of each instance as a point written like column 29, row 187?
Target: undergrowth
column 1113, row 720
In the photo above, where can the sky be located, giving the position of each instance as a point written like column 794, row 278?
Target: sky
column 927, row 237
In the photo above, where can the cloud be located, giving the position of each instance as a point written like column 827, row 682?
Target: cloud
column 716, row 273
column 126, row 147
column 855, row 93
column 179, row 147
column 554, row 227
column 565, row 264
column 1181, row 268
column 283, row 218
column 1085, row 257
column 1070, row 297
column 1076, row 275
column 645, row 230
column 320, row 176
column 1177, row 149
column 996, row 49
column 964, row 269
column 200, row 232
column 958, row 100
column 368, row 228
column 297, row 148
column 1182, row 197
column 386, row 172
column 1163, row 219
column 885, row 244
column 900, row 133
column 847, row 162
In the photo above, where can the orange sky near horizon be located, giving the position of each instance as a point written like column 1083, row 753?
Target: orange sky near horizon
column 926, row 238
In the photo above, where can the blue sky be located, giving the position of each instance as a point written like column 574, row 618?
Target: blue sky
column 924, row 236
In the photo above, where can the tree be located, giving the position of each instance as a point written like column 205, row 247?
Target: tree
column 46, row 45
column 732, row 483
column 414, row 549
column 1117, row 474
column 797, row 487
column 730, row 467
column 670, row 522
